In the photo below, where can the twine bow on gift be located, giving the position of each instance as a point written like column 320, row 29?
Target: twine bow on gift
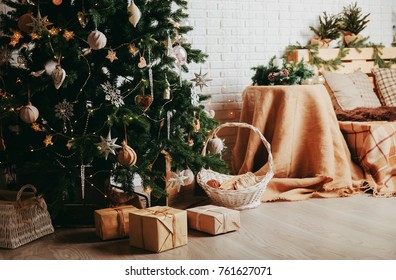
column 166, row 213
column 122, row 231
column 223, row 223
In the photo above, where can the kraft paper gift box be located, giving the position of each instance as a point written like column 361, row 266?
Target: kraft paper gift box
column 113, row 223
column 213, row 219
column 158, row 228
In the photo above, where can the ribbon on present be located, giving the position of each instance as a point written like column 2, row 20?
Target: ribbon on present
column 216, row 209
column 122, row 231
column 170, row 225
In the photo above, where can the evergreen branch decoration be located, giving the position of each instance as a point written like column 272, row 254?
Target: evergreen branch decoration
column 288, row 74
column 353, row 20
column 328, row 27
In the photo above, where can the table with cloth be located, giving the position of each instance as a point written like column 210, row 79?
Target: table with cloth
column 311, row 156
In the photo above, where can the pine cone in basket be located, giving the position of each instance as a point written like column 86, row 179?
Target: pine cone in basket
column 239, row 182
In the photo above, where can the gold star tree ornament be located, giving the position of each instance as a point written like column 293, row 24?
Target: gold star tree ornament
column 200, row 79
column 39, row 23
column 111, row 55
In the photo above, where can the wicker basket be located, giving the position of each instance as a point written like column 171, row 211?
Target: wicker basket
column 23, row 217
column 246, row 198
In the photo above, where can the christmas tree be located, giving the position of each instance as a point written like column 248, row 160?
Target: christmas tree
column 94, row 88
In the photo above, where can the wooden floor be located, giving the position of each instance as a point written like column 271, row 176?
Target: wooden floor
column 359, row 227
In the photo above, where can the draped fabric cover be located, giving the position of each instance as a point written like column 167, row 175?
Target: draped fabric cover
column 311, row 157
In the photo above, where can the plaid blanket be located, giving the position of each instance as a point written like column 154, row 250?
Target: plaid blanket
column 373, row 146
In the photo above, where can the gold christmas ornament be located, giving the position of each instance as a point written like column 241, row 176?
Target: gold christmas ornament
column 143, row 101
column 134, row 14
column 97, row 40
column 68, row 35
column 53, row 31
column 58, row 76
column 36, row 127
column 24, row 21
column 215, row 145
column 48, row 140
column 39, row 23
column 133, row 50
column 29, row 113
column 111, row 55
column 34, row 36
column 126, row 156
column 16, row 36
column 83, row 18
column 142, row 62
column 197, row 125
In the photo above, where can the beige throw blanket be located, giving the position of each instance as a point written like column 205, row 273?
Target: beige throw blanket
column 311, row 158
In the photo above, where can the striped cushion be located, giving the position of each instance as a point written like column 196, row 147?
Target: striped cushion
column 385, row 79
column 363, row 84
column 351, row 90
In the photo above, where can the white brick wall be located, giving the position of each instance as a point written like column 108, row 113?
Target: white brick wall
column 238, row 35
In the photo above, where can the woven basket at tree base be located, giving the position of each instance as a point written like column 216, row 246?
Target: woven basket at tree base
column 23, row 217
column 244, row 198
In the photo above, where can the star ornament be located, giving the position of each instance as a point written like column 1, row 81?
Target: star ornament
column 39, row 23
column 111, row 55
column 200, row 79
column 107, row 145
column 48, row 140
column 68, row 35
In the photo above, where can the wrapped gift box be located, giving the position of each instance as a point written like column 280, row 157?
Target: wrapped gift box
column 158, row 228
column 113, row 223
column 213, row 219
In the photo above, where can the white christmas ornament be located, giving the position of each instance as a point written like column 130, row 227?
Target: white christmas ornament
column 177, row 180
column 29, row 113
column 194, row 97
column 134, row 14
column 107, row 145
column 187, row 176
column 215, row 145
column 180, row 55
column 96, row 40
column 50, row 67
column 58, row 76
column 113, row 94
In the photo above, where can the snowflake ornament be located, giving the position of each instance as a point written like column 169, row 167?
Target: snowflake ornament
column 64, row 110
column 113, row 94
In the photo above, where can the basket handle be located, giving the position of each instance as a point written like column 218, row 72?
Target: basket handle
column 246, row 125
column 27, row 186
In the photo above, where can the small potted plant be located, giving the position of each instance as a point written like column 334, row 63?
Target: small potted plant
column 328, row 30
column 352, row 23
